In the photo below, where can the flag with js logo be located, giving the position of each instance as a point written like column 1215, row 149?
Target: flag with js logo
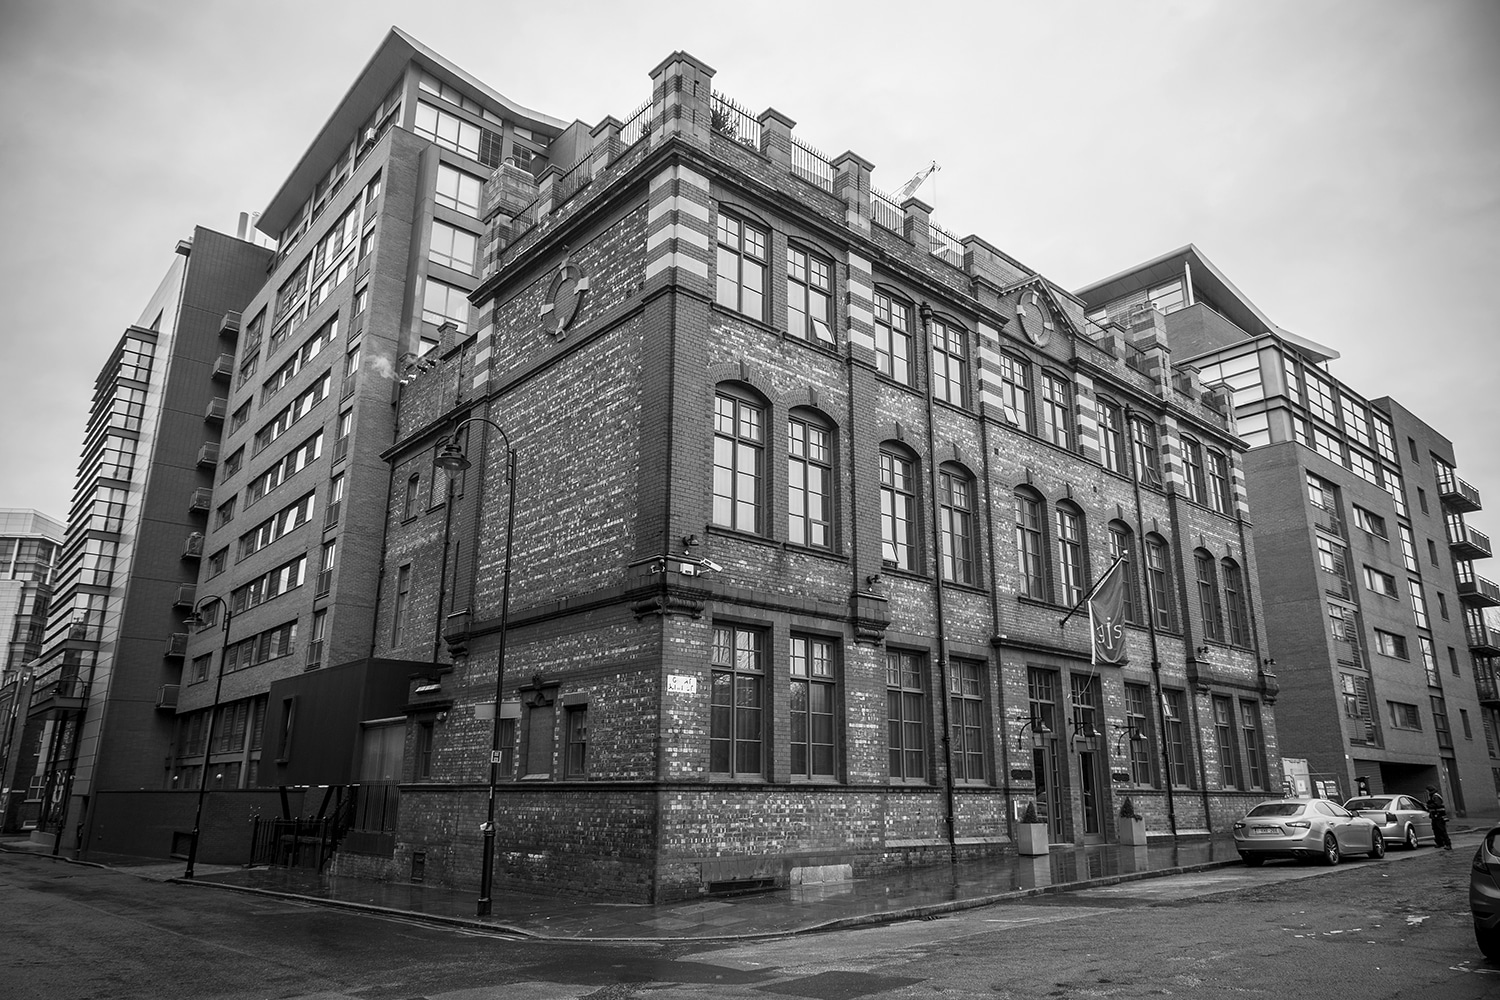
column 1107, row 615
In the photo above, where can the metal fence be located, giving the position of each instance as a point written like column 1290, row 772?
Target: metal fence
column 945, row 245
column 637, row 126
column 811, row 165
column 733, row 121
column 884, row 211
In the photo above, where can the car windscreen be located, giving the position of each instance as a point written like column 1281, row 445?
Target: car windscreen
column 1276, row 809
column 1367, row 804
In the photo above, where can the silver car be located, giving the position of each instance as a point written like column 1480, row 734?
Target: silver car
column 1305, row 828
column 1402, row 819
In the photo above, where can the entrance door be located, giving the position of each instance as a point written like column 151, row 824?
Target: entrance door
column 1091, row 791
column 1051, row 796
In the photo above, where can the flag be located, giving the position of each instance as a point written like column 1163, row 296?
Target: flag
column 1107, row 616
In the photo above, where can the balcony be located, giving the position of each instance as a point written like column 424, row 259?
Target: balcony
column 176, row 645
column 1488, row 690
column 229, row 326
column 208, row 454
column 217, row 408
column 1482, row 638
column 1471, row 544
column 187, row 595
column 1479, row 592
column 201, row 499
column 64, row 691
column 224, row 367
column 166, row 698
column 192, row 546
column 1458, row 495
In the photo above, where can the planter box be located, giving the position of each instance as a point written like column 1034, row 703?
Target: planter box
column 1132, row 831
column 1031, row 838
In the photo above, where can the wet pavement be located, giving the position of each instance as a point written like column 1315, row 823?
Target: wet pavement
column 907, row 894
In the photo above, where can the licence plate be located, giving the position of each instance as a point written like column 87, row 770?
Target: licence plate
column 1265, row 831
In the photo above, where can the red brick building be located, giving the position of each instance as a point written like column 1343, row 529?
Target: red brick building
column 804, row 488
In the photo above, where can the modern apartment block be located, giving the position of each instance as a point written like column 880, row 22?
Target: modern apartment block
column 1366, row 558
column 101, row 713
column 804, row 488
column 378, row 235
column 30, row 543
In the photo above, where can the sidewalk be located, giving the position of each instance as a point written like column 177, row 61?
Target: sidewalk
column 910, row 894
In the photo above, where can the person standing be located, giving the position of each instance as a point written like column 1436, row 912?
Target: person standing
column 1439, row 813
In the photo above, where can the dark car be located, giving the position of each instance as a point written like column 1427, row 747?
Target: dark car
column 1484, row 895
column 1402, row 819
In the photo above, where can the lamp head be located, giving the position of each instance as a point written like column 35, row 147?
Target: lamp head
column 452, row 459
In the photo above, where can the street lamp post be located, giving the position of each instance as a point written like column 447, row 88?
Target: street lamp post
column 453, row 461
column 208, row 739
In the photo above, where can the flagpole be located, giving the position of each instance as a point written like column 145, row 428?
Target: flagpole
column 1092, row 590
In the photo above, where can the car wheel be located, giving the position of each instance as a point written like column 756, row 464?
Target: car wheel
column 1377, row 847
column 1331, row 853
column 1488, row 939
column 1253, row 860
column 1411, row 838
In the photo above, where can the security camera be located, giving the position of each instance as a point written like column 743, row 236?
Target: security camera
column 709, row 564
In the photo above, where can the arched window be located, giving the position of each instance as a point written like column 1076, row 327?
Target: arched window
column 950, row 362
column 1143, row 440
column 1208, row 595
column 739, row 459
column 409, row 506
column 1192, row 468
column 1072, row 556
column 898, row 507
column 1122, row 547
column 1031, row 544
column 1235, row 608
column 956, row 510
column 809, row 479
column 1159, row 580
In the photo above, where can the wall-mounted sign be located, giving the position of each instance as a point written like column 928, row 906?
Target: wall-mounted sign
column 1020, row 774
column 681, row 684
column 1120, row 775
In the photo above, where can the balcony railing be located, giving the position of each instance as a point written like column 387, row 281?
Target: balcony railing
column 1479, row 592
column 200, row 500
column 192, row 546
column 1487, row 687
column 208, row 453
column 229, row 326
column 217, row 408
column 176, row 645
column 224, row 366
column 187, row 595
column 1458, row 494
column 1469, row 543
column 1482, row 638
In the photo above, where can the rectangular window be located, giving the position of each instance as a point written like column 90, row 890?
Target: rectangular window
column 1177, row 750
column 1418, row 604
column 736, row 726
column 225, row 513
column 309, row 350
column 1368, row 522
column 452, row 132
column 200, row 667
column 1229, row 770
column 893, row 338
column 1430, row 661
column 739, row 454
column 422, row 766
column 236, row 419
column 294, row 462
column 1320, row 397
column 1220, row 497
column 809, row 296
column 809, row 482
column 576, row 729
column 1404, row 716
column 268, row 645
column 1208, row 596
column 1192, row 469
column 1356, row 419
column 1390, row 644
column 292, row 516
column 1408, row 547
column 459, row 191
column 1057, row 410
column 814, row 701
column 1122, row 547
column 1071, row 572
column 906, row 715
column 1236, row 611
column 293, row 412
column 452, row 247
column 232, row 464
column 444, row 303
column 1138, row 717
column 1254, row 753
column 950, row 363
column 403, row 596
column 898, row 508
column 741, row 262
column 1384, row 438
column 966, row 709
column 288, row 576
column 1159, row 581
column 1380, row 583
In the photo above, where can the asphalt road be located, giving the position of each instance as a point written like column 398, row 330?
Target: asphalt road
column 1365, row 929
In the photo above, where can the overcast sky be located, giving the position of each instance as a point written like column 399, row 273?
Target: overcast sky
column 1339, row 161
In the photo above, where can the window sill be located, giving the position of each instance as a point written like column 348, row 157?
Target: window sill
column 743, row 536
column 831, row 555
column 891, row 569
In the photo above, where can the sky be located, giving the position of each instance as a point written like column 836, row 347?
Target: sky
column 1338, row 160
